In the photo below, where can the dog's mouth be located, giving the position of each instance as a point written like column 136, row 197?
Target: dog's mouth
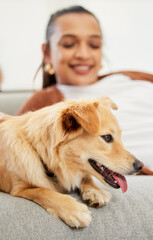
column 114, row 179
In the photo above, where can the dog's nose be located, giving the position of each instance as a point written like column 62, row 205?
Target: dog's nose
column 138, row 165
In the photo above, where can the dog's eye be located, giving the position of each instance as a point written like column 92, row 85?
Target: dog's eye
column 108, row 138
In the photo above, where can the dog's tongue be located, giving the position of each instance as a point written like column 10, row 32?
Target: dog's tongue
column 121, row 182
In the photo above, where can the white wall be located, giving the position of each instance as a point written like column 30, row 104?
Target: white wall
column 22, row 25
column 126, row 25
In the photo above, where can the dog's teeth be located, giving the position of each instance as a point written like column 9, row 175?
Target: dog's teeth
column 98, row 164
column 115, row 181
column 101, row 168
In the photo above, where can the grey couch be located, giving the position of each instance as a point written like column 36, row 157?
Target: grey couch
column 128, row 216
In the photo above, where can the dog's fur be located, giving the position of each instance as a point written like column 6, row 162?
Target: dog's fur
column 61, row 139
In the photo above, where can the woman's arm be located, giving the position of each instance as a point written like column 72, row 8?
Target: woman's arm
column 133, row 75
column 138, row 75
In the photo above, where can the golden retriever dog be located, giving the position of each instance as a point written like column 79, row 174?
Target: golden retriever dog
column 49, row 152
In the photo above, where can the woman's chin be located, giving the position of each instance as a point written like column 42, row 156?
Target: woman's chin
column 84, row 80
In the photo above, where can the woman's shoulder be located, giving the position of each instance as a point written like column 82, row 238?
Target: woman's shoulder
column 50, row 89
column 48, row 92
column 41, row 98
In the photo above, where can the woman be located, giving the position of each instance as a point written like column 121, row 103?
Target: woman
column 71, row 61
column 73, row 50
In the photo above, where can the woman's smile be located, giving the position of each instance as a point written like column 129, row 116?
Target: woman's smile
column 81, row 69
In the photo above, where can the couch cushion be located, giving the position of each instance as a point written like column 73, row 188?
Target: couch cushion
column 128, row 216
column 10, row 102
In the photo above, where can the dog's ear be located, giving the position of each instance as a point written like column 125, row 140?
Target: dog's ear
column 108, row 102
column 81, row 115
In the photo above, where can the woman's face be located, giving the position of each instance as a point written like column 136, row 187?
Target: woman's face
column 76, row 49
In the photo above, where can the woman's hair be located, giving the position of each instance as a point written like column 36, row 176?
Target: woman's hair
column 48, row 79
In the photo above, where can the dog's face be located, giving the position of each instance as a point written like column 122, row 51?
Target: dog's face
column 91, row 143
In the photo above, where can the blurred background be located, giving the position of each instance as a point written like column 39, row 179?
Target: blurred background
column 127, row 27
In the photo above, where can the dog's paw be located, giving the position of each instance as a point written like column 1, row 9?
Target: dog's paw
column 80, row 217
column 73, row 213
column 96, row 197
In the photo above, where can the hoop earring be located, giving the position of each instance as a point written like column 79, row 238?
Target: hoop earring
column 49, row 69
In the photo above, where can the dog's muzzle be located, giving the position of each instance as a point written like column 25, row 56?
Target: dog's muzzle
column 115, row 179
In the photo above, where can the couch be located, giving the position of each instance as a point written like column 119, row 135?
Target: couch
column 128, row 216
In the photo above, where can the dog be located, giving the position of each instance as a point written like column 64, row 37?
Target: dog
column 47, row 153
